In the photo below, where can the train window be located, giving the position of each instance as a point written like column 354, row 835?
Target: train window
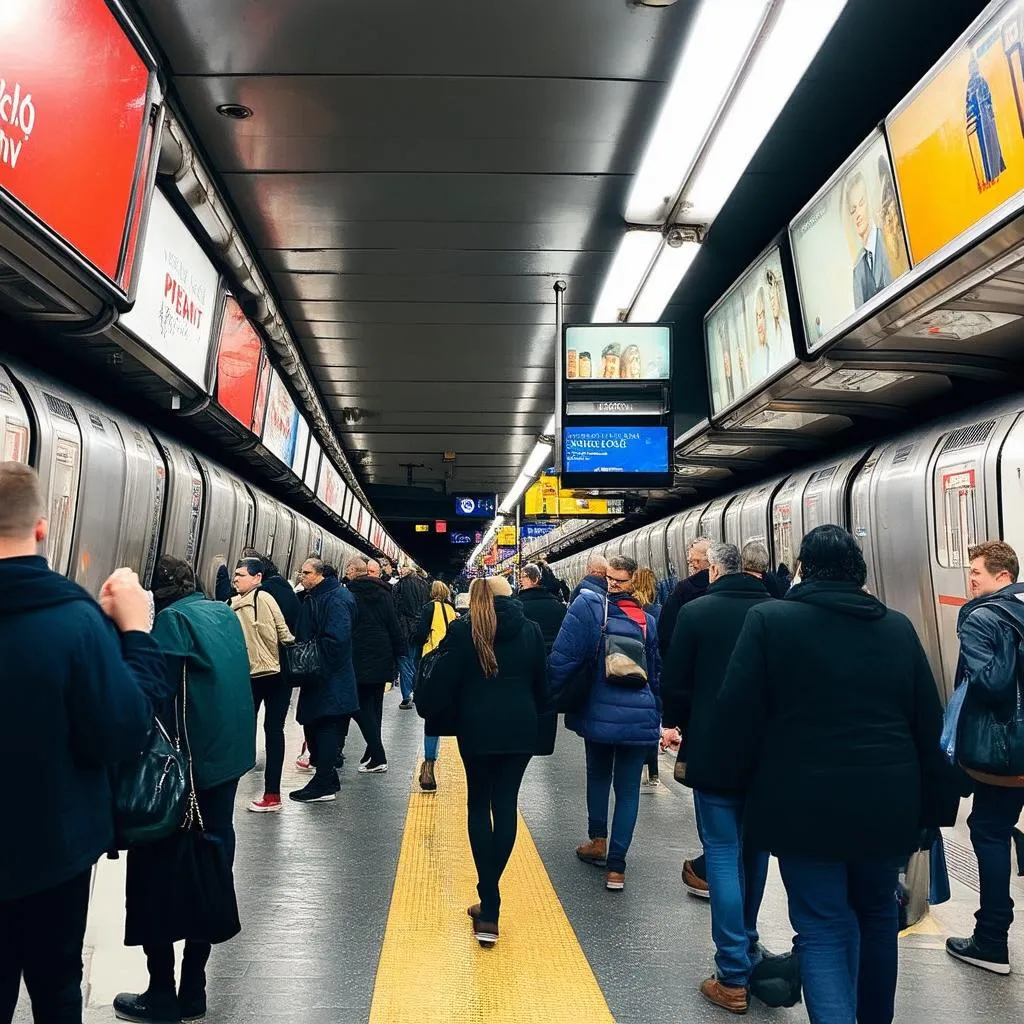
column 782, row 528
column 956, row 517
column 63, row 491
column 15, row 441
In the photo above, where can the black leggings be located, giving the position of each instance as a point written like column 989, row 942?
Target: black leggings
column 323, row 738
column 276, row 694
column 369, row 718
column 654, row 761
column 493, row 782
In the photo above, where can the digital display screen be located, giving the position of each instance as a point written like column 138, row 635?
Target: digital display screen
column 615, row 449
column 478, row 506
column 460, row 538
column 622, row 352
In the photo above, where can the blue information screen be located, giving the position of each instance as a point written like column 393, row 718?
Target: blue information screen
column 615, row 449
column 480, row 506
column 460, row 538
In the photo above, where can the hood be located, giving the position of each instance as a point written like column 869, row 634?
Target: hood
column 27, row 584
column 370, row 590
column 510, row 617
column 738, row 583
column 844, row 598
column 535, row 594
column 1010, row 600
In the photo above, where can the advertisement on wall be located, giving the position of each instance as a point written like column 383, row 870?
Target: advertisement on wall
column 623, row 352
column 547, row 497
column 301, row 447
column 615, row 449
column 849, row 244
column 329, row 488
column 238, row 364
column 281, row 423
column 177, row 295
column 748, row 336
column 72, row 82
column 259, row 407
column 312, row 464
column 958, row 140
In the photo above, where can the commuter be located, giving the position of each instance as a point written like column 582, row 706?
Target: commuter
column 828, row 723
column 410, row 594
column 597, row 570
column 462, row 603
column 991, row 626
column 72, row 714
column 387, row 571
column 328, row 613
column 376, row 648
column 437, row 615
column 373, row 569
column 551, row 583
column 620, row 720
column 694, row 670
column 492, row 681
column 540, row 605
column 222, row 588
column 281, row 591
column 756, row 563
column 269, row 688
column 208, row 667
column 645, row 590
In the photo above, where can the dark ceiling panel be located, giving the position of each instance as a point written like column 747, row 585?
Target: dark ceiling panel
column 432, row 312
column 432, row 338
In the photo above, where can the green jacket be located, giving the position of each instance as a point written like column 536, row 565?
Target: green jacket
column 207, row 638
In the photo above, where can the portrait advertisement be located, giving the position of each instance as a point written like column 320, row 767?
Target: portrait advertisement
column 624, row 352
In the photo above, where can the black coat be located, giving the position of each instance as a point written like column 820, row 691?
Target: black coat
column 410, row 594
column 377, row 640
column 328, row 614
column 287, row 600
column 544, row 608
column 686, row 591
column 498, row 715
column 829, row 721
column 694, row 668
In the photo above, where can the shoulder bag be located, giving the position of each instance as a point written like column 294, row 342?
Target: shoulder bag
column 445, row 722
column 574, row 694
column 301, row 661
column 625, row 657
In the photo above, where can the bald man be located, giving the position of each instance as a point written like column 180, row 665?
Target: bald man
column 597, row 569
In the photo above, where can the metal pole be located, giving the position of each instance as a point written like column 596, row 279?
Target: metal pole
column 519, row 535
column 559, row 288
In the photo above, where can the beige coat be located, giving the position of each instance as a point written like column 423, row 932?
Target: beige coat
column 264, row 628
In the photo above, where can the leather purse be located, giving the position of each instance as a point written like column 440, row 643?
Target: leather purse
column 301, row 662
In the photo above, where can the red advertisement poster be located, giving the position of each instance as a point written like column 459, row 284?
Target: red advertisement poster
column 73, row 91
column 238, row 364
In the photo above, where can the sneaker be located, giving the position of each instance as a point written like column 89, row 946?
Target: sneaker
column 693, row 883
column 373, row 769
column 406, row 705
column 428, row 781
column 486, row 932
column 148, row 1007
column 650, row 781
column 473, row 911
column 615, row 881
column 365, row 759
column 594, row 852
column 988, row 958
column 311, row 794
column 302, row 762
column 735, row 1000
column 268, row 802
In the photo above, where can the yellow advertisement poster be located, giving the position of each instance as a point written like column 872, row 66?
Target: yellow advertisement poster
column 958, row 145
column 507, row 537
column 547, row 498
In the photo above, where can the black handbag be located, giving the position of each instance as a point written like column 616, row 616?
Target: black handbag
column 444, row 721
column 301, row 662
column 151, row 792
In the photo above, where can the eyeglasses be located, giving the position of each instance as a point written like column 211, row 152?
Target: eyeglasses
column 620, row 581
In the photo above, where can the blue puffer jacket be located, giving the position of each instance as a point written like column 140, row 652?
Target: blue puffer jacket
column 613, row 714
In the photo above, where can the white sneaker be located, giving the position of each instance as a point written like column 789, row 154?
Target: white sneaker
column 373, row 769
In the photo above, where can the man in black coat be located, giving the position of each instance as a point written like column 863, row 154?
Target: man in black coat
column 377, row 645
column 687, row 590
column 539, row 604
column 77, row 690
column 702, row 642
column 410, row 594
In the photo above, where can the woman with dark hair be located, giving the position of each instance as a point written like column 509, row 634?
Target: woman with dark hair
column 491, row 684
column 830, row 721
column 206, row 658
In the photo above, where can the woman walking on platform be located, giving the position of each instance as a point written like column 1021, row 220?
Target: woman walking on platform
column 489, row 687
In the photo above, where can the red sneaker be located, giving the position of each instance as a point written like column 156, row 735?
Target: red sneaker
column 269, row 802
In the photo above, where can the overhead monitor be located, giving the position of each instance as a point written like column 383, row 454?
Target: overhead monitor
column 628, row 451
column 460, row 538
column 622, row 352
column 476, row 506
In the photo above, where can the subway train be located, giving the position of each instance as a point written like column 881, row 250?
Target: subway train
column 916, row 503
column 120, row 494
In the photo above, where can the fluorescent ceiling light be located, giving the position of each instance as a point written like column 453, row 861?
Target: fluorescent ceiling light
column 535, row 463
column 769, row 81
column 550, row 428
column 661, row 284
column 714, row 50
column 634, row 255
column 513, row 496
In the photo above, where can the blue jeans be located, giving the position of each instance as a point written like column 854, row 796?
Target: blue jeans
column 606, row 763
column 995, row 812
column 407, row 671
column 431, row 747
column 846, row 918
column 736, row 877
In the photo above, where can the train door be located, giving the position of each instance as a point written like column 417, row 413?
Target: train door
column 660, row 561
column 183, row 506
column 223, row 533
column 266, row 522
column 733, row 531
column 691, row 531
column 284, row 538
column 826, row 494
column 145, row 487
column 862, row 524
column 1011, row 488
column 756, row 515
column 15, row 430
column 785, row 551
column 712, row 523
column 301, row 547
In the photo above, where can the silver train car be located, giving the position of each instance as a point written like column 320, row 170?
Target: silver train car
column 120, row 494
column 916, row 503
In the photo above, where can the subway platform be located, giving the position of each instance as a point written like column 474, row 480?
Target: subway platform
column 355, row 911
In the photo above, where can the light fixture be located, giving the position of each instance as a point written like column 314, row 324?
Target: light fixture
column 625, row 275
column 669, row 269
column 549, row 429
column 537, row 458
column 235, row 111
column 795, row 34
column 715, row 49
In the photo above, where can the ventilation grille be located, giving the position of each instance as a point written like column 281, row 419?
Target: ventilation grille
column 823, row 474
column 903, row 453
column 967, row 437
column 59, row 408
column 5, row 392
column 96, row 421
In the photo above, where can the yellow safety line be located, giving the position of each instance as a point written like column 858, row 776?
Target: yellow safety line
column 432, row 969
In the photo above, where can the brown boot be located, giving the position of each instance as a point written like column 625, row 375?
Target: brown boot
column 735, row 1000
column 473, row 911
column 427, row 781
column 615, row 881
column 693, row 883
column 594, row 852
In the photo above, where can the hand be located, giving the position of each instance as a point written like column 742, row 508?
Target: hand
column 123, row 600
column 670, row 739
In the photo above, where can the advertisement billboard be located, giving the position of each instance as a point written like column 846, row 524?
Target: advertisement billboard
column 312, row 464
column 298, row 462
column 329, row 488
column 748, row 336
column 618, row 352
column 259, row 407
column 238, row 364
column 958, row 139
column 460, row 538
column 640, row 450
column 547, row 497
column 177, row 294
column 281, row 423
column 73, row 114
column 849, row 244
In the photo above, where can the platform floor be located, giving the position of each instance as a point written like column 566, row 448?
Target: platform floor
column 355, row 911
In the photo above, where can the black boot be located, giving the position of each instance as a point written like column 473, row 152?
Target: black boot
column 154, row 1006
column 192, row 990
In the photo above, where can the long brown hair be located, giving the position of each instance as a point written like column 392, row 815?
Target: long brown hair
column 645, row 586
column 483, row 620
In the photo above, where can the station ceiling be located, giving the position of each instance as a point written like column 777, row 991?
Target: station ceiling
column 416, row 176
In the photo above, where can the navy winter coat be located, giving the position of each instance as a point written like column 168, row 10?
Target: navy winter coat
column 595, row 583
column 613, row 714
column 328, row 613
